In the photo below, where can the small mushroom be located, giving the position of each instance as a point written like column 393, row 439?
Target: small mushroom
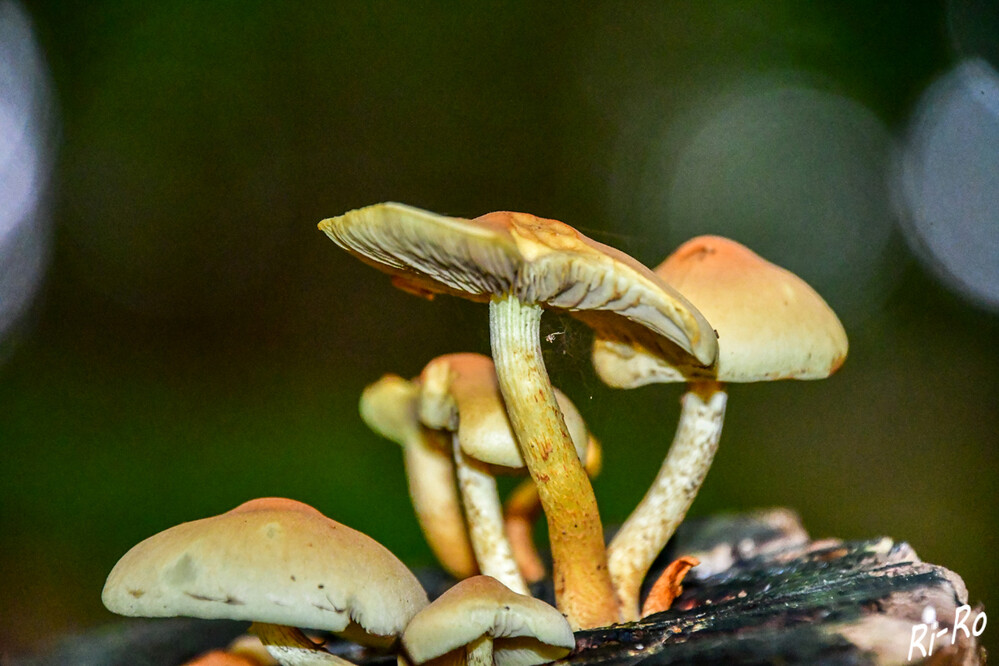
column 770, row 325
column 522, row 264
column 277, row 563
column 389, row 407
column 491, row 624
column 460, row 394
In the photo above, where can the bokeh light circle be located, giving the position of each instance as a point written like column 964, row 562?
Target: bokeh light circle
column 25, row 165
column 797, row 173
column 948, row 182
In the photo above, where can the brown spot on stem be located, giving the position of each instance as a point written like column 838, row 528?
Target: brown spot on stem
column 546, row 450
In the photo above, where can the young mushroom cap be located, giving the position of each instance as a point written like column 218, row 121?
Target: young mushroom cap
column 524, row 630
column 270, row 560
column 389, row 408
column 460, row 393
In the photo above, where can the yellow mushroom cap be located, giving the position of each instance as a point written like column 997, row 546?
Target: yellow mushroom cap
column 461, row 393
column 270, row 560
column 537, row 260
column 770, row 323
column 524, row 630
column 388, row 407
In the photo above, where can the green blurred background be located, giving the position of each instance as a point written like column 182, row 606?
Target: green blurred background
column 197, row 342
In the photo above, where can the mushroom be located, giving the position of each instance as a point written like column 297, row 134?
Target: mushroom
column 460, row 394
column 278, row 563
column 389, row 407
column 491, row 624
column 770, row 324
column 521, row 264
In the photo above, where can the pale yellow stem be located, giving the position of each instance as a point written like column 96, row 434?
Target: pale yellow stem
column 655, row 519
column 583, row 590
column 485, row 522
column 432, row 488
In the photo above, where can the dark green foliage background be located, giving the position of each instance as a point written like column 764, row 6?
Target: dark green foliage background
column 199, row 343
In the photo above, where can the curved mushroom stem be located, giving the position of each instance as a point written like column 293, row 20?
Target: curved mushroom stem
column 389, row 407
column 521, row 510
column 480, row 651
column 655, row 519
column 583, row 589
column 290, row 647
column 485, row 522
column 430, row 473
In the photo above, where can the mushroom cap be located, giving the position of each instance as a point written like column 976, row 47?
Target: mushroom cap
column 525, row 630
column 537, row 260
column 389, row 408
column 269, row 560
column 770, row 323
column 460, row 393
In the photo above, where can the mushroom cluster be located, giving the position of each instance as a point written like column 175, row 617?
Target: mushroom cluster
column 712, row 313
column 521, row 264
